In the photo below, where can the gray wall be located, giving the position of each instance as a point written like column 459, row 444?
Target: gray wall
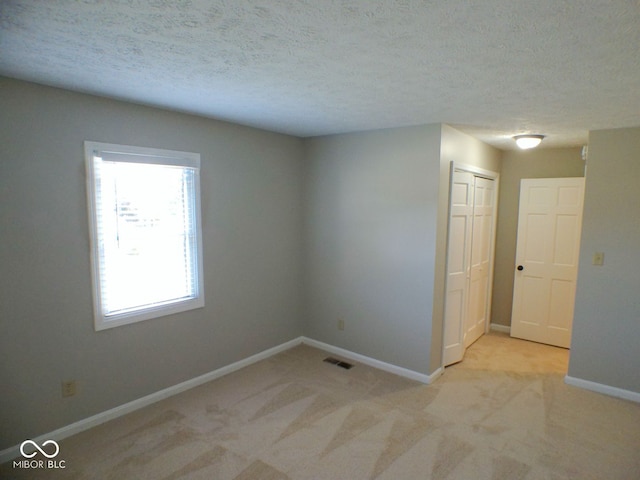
column 605, row 347
column 372, row 203
column 252, row 224
column 297, row 234
column 458, row 147
column 516, row 165
column 377, row 205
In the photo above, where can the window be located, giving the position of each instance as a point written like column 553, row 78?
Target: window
column 144, row 211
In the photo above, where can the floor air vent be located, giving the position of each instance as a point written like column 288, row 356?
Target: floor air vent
column 339, row 363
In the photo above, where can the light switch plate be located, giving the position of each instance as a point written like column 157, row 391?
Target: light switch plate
column 598, row 258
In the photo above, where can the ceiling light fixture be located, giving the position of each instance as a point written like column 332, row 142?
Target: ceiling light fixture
column 528, row 141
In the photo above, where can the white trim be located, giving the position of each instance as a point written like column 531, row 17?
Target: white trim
column 95, row 420
column 463, row 167
column 496, row 327
column 601, row 388
column 435, row 375
column 372, row 362
column 95, row 153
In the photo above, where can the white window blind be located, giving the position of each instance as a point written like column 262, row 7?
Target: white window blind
column 145, row 216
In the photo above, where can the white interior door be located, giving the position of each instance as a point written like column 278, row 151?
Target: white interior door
column 549, row 227
column 458, row 259
column 481, row 257
column 469, row 262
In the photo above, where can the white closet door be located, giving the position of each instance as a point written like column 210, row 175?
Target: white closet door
column 458, row 261
column 469, row 262
column 481, row 257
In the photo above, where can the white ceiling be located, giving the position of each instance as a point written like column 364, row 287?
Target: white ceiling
column 492, row 68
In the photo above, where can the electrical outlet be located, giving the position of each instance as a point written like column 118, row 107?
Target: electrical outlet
column 68, row 388
column 340, row 324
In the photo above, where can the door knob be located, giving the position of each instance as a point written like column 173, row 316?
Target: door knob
column 520, row 268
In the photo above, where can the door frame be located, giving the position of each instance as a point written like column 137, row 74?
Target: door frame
column 491, row 175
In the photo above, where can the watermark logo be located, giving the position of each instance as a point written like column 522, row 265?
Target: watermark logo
column 29, row 449
column 39, row 449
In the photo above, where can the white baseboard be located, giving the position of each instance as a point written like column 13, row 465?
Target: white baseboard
column 372, row 362
column 95, row 420
column 496, row 327
column 87, row 423
column 601, row 388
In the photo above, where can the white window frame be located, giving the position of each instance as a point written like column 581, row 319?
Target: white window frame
column 139, row 155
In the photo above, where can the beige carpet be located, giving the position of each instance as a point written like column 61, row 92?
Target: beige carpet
column 504, row 413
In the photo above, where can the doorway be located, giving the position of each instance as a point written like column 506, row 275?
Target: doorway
column 470, row 255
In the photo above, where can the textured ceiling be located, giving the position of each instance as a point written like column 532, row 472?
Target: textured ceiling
column 492, row 68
